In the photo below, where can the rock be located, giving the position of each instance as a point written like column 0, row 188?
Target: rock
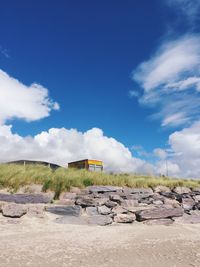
column 138, row 191
column 86, row 201
column 110, row 204
column 27, row 198
column 159, row 213
column 36, row 211
column 101, row 201
column 99, row 220
column 119, row 210
column 91, row 211
column 103, row 210
column 188, row 203
column 13, row 210
column 189, row 219
column 129, row 203
column 65, row 210
column 196, row 198
column 174, row 203
column 103, row 189
column 196, row 190
column 124, row 218
column 159, row 222
column 157, row 202
column 197, row 206
column 161, row 188
column 115, row 198
column 181, row 190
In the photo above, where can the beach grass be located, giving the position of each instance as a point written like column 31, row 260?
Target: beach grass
column 14, row 176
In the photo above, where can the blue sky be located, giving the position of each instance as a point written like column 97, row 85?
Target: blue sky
column 104, row 63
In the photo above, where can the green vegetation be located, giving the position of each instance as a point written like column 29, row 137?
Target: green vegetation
column 14, row 176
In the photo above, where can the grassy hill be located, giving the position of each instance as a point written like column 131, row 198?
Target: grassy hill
column 14, row 176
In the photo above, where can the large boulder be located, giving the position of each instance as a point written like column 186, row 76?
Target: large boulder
column 188, row 203
column 181, row 190
column 159, row 213
column 115, row 198
column 103, row 189
column 103, row 210
column 86, row 201
column 91, row 211
column 13, row 210
column 124, row 218
column 161, row 188
column 65, row 210
column 27, row 198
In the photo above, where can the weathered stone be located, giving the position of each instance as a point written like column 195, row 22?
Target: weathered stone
column 197, row 206
column 161, row 188
column 157, row 202
column 181, row 190
column 103, row 210
column 13, row 210
column 86, row 201
column 91, row 211
column 188, row 203
column 101, row 201
column 130, row 203
column 124, row 218
column 159, row 213
column 27, row 198
column 115, row 198
column 174, row 203
column 119, row 210
column 147, row 191
column 188, row 219
column 196, row 198
column 159, row 222
column 99, row 220
column 103, row 189
column 36, row 211
column 196, row 190
column 64, row 210
column 110, row 204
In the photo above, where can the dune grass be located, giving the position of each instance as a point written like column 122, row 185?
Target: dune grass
column 13, row 176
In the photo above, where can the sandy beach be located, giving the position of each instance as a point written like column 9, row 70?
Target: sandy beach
column 42, row 242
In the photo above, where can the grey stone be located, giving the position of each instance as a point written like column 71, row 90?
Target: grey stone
column 181, row 190
column 157, row 202
column 13, row 210
column 103, row 210
column 99, row 220
column 174, row 203
column 161, row 188
column 159, row 222
column 188, row 203
column 115, row 198
column 124, row 218
column 130, row 203
column 196, row 198
column 196, row 190
column 91, row 211
column 86, row 201
column 110, row 204
column 103, row 189
column 27, row 198
column 65, row 210
column 119, row 210
column 159, row 213
column 148, row 191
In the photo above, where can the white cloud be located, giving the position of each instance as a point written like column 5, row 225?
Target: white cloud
column 23, row 102
column 160, row 153
column 170, row 81
column 62, row 146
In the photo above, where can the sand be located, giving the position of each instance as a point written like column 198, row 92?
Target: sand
column 42, row 242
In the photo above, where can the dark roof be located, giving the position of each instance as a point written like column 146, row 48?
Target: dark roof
column 52, row 165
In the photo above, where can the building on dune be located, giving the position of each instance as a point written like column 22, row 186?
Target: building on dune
column 87, row 164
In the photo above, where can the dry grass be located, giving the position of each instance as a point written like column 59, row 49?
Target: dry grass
column 14, row 176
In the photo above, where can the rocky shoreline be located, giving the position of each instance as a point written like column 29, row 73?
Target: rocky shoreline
column 104, row 205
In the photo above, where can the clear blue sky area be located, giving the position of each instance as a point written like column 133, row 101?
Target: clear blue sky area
column 84, row 52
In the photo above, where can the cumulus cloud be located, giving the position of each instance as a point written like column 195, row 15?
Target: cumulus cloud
column 23, row 102
column 60, row 145
column 170, row 81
